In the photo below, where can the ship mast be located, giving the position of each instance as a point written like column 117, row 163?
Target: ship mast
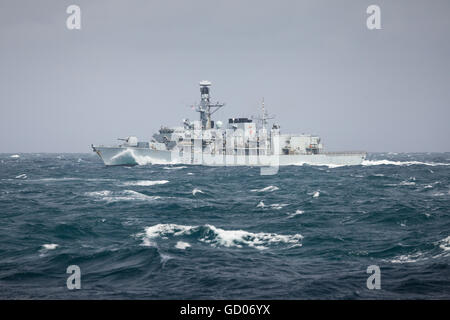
column 205, row 105
column 264, row 117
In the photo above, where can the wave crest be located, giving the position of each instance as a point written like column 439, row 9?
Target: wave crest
column 219, row 237
column 125, row 195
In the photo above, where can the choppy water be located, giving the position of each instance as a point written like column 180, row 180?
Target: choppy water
column 186, row 232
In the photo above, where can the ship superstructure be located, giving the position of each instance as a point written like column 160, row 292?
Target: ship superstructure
column 241, row 141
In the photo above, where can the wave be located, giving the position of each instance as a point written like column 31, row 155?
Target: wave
column 21, row 176
column 138, row 159
column 401, row 163
column 125, row 195
column 266, row 189
column 409, row 258
column 407, row 183
column 145, row 183
column 182, row 245
column 296, row 213
column 15, row 156
column 277, row 206
column 174, row 168
column 50, row 246
column 444, row 244
column 196, row 190
column 71, row 179
column 219, row 237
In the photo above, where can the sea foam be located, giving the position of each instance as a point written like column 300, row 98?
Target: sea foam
column 216, row 237
column 401, row 163
column 266, row 189
column 145, row 183
column 125, row 195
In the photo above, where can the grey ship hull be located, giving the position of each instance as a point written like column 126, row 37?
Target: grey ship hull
column 113, row 156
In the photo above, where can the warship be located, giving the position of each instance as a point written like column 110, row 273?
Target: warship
column 239, row 142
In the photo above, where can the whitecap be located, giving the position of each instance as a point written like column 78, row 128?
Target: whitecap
column 125, row 195
column 409, row 258
column 165, row 258
column 145, row 183
column 316, row 194
column 296, row 213
column 260, row 204
column 15, row 156
column 266, row 189
column 278, row 206
column 21, row 176
column 220, row 237
column 237, row 238
column 50, row 246
column 182, row 245
column 196, row 190
column 444, row 244
column 162, row 230
column 407, row 183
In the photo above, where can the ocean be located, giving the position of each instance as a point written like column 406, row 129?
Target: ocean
column 194, row 232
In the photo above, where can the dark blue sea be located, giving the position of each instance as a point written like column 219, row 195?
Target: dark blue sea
column 194, row 232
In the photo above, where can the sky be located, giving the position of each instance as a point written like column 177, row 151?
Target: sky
column 135, row 65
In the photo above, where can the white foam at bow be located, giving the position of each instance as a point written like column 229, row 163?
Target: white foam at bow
column 140, row 160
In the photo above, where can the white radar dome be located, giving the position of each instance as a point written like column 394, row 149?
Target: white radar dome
column 219, row 124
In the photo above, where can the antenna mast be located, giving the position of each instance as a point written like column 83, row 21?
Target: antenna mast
column 264, row 117
column 205, row 105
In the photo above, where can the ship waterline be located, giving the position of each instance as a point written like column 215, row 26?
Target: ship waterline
column 113, row 156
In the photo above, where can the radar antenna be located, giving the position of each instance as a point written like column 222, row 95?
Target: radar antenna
column 205, row 107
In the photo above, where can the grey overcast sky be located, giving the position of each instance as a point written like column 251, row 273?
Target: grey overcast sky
column 136, row 64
